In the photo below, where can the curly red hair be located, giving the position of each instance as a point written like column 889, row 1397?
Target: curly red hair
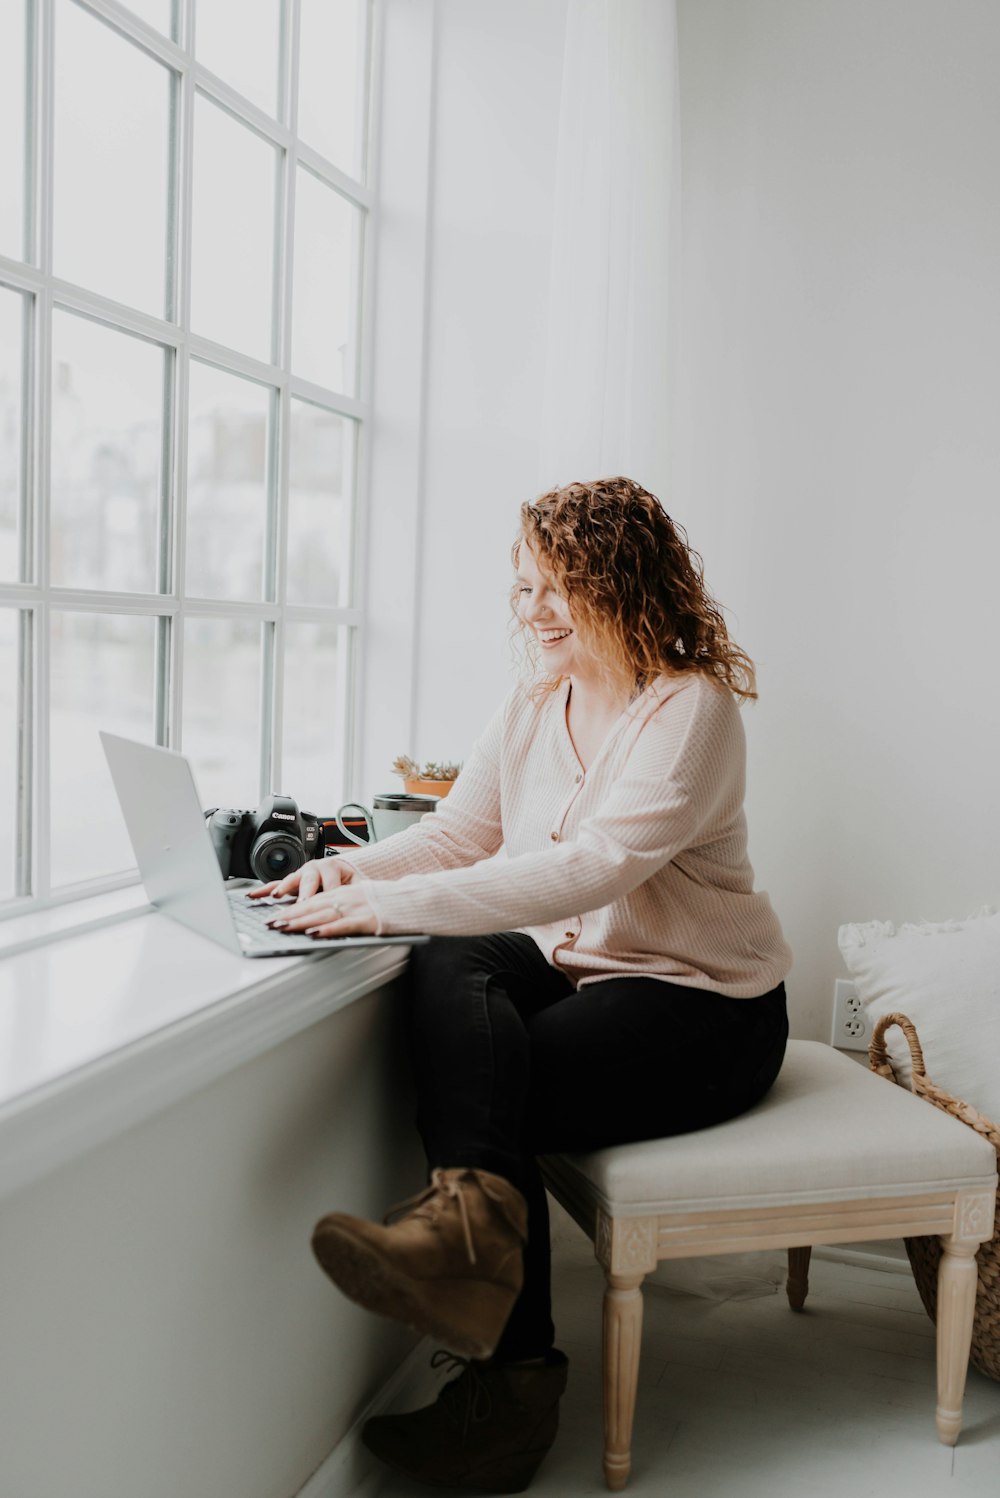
column 634, row 585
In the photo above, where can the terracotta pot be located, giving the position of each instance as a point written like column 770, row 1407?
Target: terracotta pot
column 437, row 788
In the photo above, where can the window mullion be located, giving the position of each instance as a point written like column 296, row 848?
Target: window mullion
column 169, row 479
column 182, row 189
column 23, row 851
column 288, row 100
column 353, row 645
column 277, row 553
column 271, row 633
column 31, row 406
column 268, row 770
column 162, row 678
column 42, row 119
column 349, row 661
column 273, row 642
column 38, row 724
column 32, row 808
column 186, row 17
column 169, row 476
column 33, row 74
column 355, row 639
column 364, row 115
column 41, row 802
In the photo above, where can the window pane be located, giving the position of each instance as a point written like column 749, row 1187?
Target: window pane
column 12, row 105
column 107, row 418
column 313, row 733
column 11, row 409
column 101, row 676
column 321, row 466
column 239, row 40
column 222, row 709
column 233, row 232
column 227, row 485
column 331, row 35
column 8, row 748
column 111, row 157
column 327, row 246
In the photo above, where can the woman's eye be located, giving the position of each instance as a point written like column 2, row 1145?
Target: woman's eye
column 524, row 590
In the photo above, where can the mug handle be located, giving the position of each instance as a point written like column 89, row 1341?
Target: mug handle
column 351, row 838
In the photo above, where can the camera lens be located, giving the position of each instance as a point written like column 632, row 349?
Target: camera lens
column 276, row 854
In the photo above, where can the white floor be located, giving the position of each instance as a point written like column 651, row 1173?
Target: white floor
column 742, row 1397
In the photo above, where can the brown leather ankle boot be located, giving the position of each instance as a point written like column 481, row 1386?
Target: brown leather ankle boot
column 450, row 1267
column 489, row 1429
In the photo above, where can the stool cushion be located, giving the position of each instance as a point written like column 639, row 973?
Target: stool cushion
column 829, row 1130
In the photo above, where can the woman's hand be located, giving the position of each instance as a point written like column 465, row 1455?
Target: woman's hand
column 318, row 873
column 340, row 911
column 329, row 903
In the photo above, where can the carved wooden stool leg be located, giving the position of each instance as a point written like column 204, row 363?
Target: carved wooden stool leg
column 797, row 1284
column 622, row 1340
column 956, row 1304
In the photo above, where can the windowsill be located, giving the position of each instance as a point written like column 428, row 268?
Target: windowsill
column 105, row 1024
column 37, row 928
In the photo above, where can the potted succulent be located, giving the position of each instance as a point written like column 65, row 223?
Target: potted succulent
column 431, row 779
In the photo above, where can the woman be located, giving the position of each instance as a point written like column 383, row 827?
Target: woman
column 612, row 977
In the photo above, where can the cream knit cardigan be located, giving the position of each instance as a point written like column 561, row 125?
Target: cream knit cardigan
column 636, row 866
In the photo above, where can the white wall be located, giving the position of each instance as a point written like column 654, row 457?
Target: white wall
column 166, row 1330
column 839, row 441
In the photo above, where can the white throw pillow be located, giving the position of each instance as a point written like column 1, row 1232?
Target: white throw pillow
column 946, row 978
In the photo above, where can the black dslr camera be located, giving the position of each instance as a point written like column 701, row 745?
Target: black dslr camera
column 265, row 844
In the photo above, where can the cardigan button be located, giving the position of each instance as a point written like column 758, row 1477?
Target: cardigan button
column 570, row 935
column 554, row 836
column 578, row 779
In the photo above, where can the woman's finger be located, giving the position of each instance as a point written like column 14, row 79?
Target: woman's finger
column 334, row 928
column 297, row 917
column 310, row 879
column 289, row 921
column 262, row 890
column 277, row 887
column 354, row 917
column 306, row 910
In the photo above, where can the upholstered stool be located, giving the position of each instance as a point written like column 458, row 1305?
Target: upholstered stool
column 833, row 1154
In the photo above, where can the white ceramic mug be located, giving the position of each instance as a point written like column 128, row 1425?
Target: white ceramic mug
column 392, row 812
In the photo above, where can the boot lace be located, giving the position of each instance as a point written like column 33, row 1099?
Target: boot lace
column 431, row 1202
column 467, row 1399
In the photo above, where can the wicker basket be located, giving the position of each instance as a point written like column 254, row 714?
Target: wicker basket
column 925, row 1253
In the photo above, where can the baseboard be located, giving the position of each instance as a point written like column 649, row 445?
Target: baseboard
column 350, row 1470
column 889, row 1263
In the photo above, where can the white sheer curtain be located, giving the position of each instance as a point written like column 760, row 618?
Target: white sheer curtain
column 607, row 396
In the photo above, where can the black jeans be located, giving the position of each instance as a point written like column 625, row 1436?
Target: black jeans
column 511, row 1062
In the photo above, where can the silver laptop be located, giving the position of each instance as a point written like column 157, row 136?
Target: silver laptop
column 166, row 825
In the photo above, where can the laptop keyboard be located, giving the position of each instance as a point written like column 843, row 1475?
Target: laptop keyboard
column 251, row 924
column 251, row 917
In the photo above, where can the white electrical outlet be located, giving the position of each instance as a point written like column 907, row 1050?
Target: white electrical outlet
column 851, row 1030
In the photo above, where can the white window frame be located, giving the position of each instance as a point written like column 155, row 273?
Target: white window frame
column 33, row 595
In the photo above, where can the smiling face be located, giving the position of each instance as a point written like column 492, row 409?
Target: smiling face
column 640, row 608
column 545, row 611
